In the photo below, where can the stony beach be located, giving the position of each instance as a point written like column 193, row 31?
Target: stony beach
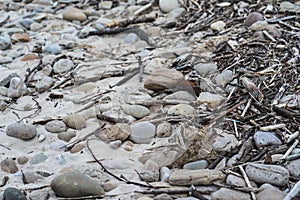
column 149, row 100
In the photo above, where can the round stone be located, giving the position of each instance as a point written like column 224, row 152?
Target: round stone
column 56, row 126
column 62, row 66
column 21, row 131
column 252, row 18
column 8, row 165
column 12, row 193
column 142, row 132
column 72, row 13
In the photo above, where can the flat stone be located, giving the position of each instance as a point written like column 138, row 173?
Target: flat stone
column 185, row 177
column 162, row 79
column 74, row 14
column 44, row 84
column 206, row 68
column 218, row 26
column 164, row 129
column 30, row 56
column 77, row 147
column 8, row 165
column 21, row 131
column 75, row 184
column 252, row 18
column 75, row 121
column 169, row 5
column 56, row 126
column 150, row 171
column 181, row 96
column 273, row 174
column 5, row 41
column 17, row 88
column 200, row 164
column 12, row 193
column 22, row 160
column 38, row 158
column 66, row 136
column 52, row 49
column 225, row 142
column 5, row 59
column 163, row 196
column 115, row 144
column 212, row 100
column 20, row 37
column 228, row 194
column 181, row 109
column 235, row 181
column 136, row 111
column 262, row 138
column 293, row 167
column 164, row 173
column 290, row 7
column 62, row 66
column 142, row 132
column 119, row 131
column 270, row 192
column 225, row 77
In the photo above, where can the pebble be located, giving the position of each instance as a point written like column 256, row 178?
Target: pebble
column 206, row 68
column 22, row 160
column 142, row 132
column 269, row 191
column 66, row 136
column 5, row 41
column 164, row 173
column 229, row 194
column 62, row 66
column 57, row 145
column 262, row 139
column 290, row 7
column 26, row 22
column 181, row 96
column 44, row 84
column 16, row 88
column 115, row 144
column 131, row 38
column 163, row 196
column 36, row 26
column 21, row 131
column 5, row 59
column 30, row 56
column 136, row 111
column 181, row 109
column 183, row 177
column 144, row 198
column 162, row 79
column 164, row 130
column 8, row 165
column 200, row 164
column 74, row 14
column 225, row 142
column 293, row 167
column 119, row 131
column 12, row 193
column 174, row 15
column 56, row 126
column 273, row 174
column 20, row 37
column 3, row 92
column 225, row 77
column 75, row 121
column 31, row 177
column 150, row 172
column 77, row 147
column 41, row 137
column 169, row 5
column 212, row 100
column 38, row 158
column 75, row 184
column 235, row 181
column 52, row 49
column 273, row 30
column 218, row 26
column 252, row 18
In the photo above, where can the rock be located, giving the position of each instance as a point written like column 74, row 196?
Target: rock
column 224, row 142
column 273, row 174
column 273, row 30
column 21, row 131
column 183, row 177
column 174, row 15
column 164, row 130
column 205, row 68
column 62, row 66
column 252, row 18
column 131, row 38
column 163, row 196
column 75, row 184
column 181, row 109
column 106, row 5
column 115, row 144
column 5, row 59
column 218, row 26
column 22, row 160
column 162, row 79
column 41, row 137
column 150, row 172
column 181, row 96
column 75, row 121
column 262, row 139
column 119, row 131
column 109, row 185
column 3, row 92
column 77, row 147
column 56, row 126
column 44, row 84
column 144, row 198
column 31, row 177
column 26, row 22
column 8, row 165
column 66, row 136
column 164, row 173
column 52, row 49
column 30, row 56
column 290, row 7
column 225, row 77
column 235, row 181
column 136, row 111
column 142, row 132
column 169, row 5
column 16, row 88
column 38, row 158
column 212, row 100
column 200, row 164
column 20, row 37
column 36, row 26
column 74, row 14
column 12, row 193
column 293, row 167
column 5, row 41
column 228, row 194
column 270, row 192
